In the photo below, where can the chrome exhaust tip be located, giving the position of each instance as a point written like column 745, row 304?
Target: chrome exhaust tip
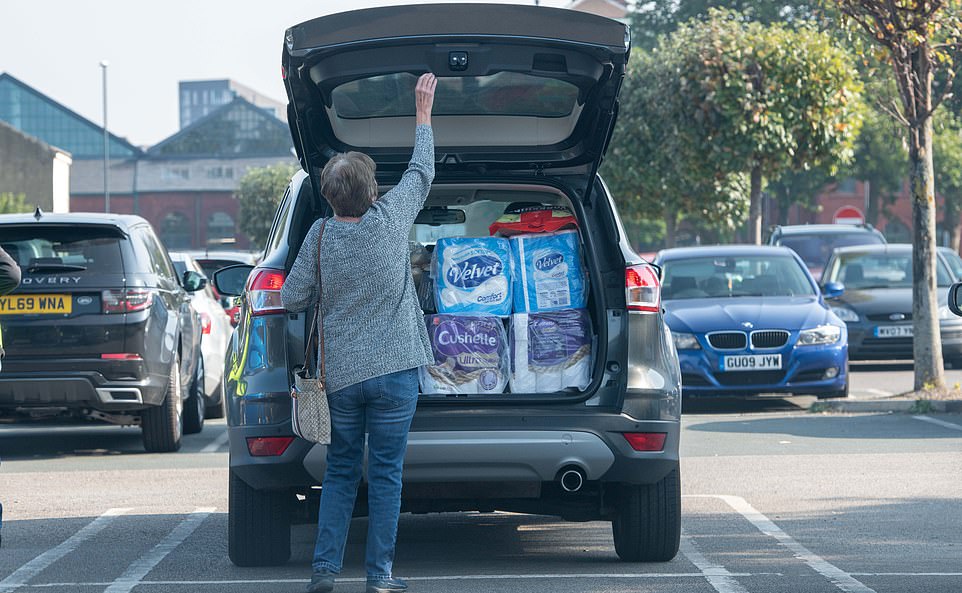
column 572, row 480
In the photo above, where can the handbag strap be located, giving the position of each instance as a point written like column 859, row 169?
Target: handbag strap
column 318, row 321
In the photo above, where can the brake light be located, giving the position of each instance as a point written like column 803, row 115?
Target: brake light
column 645, row 441
column 642, row 289
column 205, row 323
column 126, row 300
column 268, row 446
column 264, row 290
column 121, row 356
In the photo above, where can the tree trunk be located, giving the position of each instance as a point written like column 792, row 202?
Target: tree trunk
column 755, row 207
column 929, row 369
column 671, row 227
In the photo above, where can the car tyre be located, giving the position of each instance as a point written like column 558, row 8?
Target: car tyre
column 258, row 525
column 195, row 407
column 840, row 394
column 217, row 406
column 647, row 526
column 163, row 426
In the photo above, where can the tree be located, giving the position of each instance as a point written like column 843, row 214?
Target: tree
column 655, row 18
column 947, row 146
column 651, row 174
column 259, row 193
column 916, row 39
column 761, row 100
column 798, row 187
column 11, row 203
column 880, row 160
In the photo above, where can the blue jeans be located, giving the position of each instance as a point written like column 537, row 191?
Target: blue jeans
column 383, row 407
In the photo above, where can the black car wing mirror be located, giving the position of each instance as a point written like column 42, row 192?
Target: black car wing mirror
column 230, row 281
column 193, row 281
column 954, row 296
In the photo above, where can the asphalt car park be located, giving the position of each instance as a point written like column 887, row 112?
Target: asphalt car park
column 774, row 500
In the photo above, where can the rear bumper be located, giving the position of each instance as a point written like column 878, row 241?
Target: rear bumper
column 108, row 386
column 535, row 454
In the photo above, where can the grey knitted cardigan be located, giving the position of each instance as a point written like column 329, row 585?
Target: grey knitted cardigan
column 373, row 324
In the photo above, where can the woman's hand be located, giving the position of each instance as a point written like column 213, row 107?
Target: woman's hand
column 424, row 97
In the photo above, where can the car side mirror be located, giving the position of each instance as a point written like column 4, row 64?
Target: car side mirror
column 230, row 281
column 833, row 290
column 954, row 298
column 193, row 281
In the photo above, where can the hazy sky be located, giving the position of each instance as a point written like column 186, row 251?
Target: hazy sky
column 56, row 47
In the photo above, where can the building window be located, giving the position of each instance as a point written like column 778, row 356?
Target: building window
column 220, row 229
column 175, row 173
column 220, row 172
column 175, row 231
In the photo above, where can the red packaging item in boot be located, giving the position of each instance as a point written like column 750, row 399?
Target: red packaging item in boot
column 533, row 219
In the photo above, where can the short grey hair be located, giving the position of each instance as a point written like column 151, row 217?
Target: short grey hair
column 348, row 183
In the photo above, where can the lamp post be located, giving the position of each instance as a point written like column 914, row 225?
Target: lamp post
column 103, row 69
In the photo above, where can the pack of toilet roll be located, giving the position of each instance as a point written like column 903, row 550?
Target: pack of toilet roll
column 550, row 351
column 470, row 355
column 472, row 276
column 548, row 272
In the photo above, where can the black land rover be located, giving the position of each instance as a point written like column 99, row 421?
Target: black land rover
column 101, row 326
column 525, row 105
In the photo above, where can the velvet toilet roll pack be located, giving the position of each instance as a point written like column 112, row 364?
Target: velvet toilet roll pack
column 550, row 351
column 470, row 354
column 472, row 276
column 548, row 272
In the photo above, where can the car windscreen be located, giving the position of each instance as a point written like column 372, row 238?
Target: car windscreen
column 40, row 249
column 814, row 249
column 502, row 93
column 209, row 266
column 734, row 276
column 866, row 271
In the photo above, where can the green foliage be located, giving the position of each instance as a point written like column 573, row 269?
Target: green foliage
column 947, row 153
column 11, row 203
column 656, row 18
column 881, row 159
column 720, row 98
column 765, row 96
column 259, row 193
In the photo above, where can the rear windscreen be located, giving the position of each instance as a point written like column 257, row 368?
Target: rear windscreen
column 814, row 249
column 503, row 93
column 38, row 249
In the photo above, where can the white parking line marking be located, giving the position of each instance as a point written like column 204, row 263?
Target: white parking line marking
column 31, row 569
column 470, row 577
column 906, row 574
column 938, row 422
column 717, row 576
column 874, row 391
column 841, row 579
column 216, row 444
column 135, row 573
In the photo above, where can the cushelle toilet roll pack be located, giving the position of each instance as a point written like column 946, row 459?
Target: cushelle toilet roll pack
column 537, row 281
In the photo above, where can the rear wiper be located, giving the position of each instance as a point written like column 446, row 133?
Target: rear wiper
column 56, row 268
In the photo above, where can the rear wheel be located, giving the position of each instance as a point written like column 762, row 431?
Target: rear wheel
column 162, row 426
column 647, row 527
column 258, row 525
column 194, row 407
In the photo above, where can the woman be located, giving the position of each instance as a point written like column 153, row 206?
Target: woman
column 375, row 340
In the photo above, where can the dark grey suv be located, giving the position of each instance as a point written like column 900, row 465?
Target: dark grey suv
column 525, row 106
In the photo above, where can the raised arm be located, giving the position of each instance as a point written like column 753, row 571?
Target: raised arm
column 402, row 204
column 300, row 287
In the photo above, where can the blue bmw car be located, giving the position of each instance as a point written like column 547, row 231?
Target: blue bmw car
column 750, row 319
